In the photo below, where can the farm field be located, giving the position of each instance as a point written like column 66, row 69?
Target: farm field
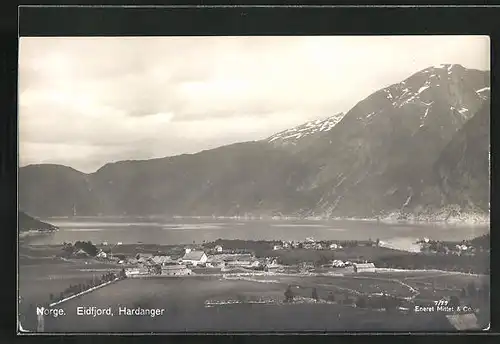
column 42, row 274
column 184, row 301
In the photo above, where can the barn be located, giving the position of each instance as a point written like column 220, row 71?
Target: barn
column 195, row 258
column 364, row 267
column 175, row 270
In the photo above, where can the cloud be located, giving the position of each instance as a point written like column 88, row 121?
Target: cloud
column 87, row 101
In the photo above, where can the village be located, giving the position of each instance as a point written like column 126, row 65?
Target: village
column 297, row 257
column 204, row 259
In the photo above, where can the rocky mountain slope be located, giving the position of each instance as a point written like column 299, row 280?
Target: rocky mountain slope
column 378, row 158
column 459, row 179
column 375, row 158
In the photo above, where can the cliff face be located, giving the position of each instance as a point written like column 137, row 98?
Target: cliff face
column 460, row 177
column 419, row 144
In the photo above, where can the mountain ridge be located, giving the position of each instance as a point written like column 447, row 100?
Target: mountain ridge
column 370, row 162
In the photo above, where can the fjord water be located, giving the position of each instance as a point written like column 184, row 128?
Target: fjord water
column 164, row 231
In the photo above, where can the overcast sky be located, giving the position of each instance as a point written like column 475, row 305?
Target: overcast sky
column 84, row 102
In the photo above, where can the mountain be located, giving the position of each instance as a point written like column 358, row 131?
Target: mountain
column 460, row 178
column 227, row 180
column 295, row 135
column 27, row 223
column 53, row 190
column 394, row 151
column 375, row 158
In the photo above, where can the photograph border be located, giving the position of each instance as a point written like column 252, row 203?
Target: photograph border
column 242, row 20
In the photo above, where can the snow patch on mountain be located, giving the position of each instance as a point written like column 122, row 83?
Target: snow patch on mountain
column 483, row 89
column 309, row 128
column 424, row 117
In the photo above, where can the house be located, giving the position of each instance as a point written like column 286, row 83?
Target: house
column 105, row 243
column 255, row 264
column 335, row 246
column 276, row 247
column 175, row 270
column 136, row 271
column 244, row 262
column 310, row 240
column 195, row 257
column 144, row 255
column 161, row 260
column 364, row 267
column 271, row 262
column 338, row 263
column 218, row 248
column 81, row 253
column 218, row 263
column 144, row 258
column 102, row 254
column 286, row 245
column 318, row 246
column 132, row 261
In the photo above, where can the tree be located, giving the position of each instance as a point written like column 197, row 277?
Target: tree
column 378, row 242
column 289, row 294
column 361, row 302
column 321, row 261
column 122, row 273
column 315, row 294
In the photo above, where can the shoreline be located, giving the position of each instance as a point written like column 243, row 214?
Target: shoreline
column 467, row 219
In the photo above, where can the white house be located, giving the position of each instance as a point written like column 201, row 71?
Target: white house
column 310, row 240
column 195, row 257
column 364, row 267
column 276, row 247
column 255, row 264
column 338, row 263
column 218, row 248
column 102, row 254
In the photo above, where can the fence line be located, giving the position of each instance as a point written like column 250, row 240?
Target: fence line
column 83, row 292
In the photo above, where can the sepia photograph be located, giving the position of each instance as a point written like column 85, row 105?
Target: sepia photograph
column 177, row 184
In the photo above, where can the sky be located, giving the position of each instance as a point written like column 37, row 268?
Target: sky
column 85, row 102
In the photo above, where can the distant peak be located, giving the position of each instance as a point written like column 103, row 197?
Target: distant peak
column 448, row 66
